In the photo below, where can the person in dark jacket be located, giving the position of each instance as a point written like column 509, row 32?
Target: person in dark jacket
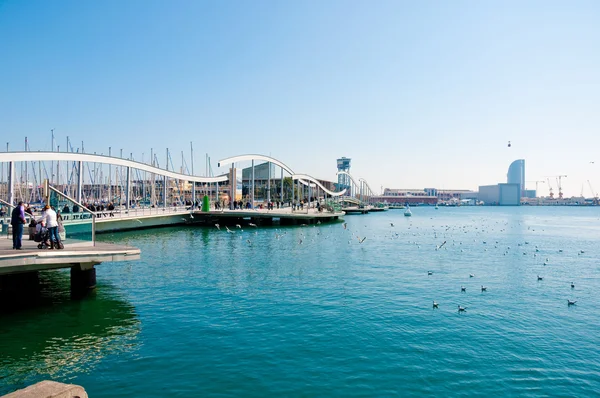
column 17, row 219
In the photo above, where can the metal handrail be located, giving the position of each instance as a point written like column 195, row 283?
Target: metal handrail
column 84, row 209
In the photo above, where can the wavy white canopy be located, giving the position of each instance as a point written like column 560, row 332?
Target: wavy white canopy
column 243, row 158
column 85, row 157
column 314, row 180
column 348, row 174
column 264, row 158
column 365, row 182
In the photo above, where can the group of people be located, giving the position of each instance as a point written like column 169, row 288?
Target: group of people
column 49, row 219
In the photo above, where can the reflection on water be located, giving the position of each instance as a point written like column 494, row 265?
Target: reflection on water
column 55, row 337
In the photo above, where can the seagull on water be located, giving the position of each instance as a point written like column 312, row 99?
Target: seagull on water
column 569, row 302
column 572, row 285
column 218, row 226
column 429, row 272
column 483, row 288
column 461, row 309
column 471, row 275
column 238, row 226
column 435, row 305
column 361, row 240
column 463, row 289
column 539, row 278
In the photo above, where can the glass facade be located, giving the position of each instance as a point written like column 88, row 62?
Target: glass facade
column 516, row 175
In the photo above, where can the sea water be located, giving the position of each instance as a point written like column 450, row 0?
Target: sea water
column 311, row 311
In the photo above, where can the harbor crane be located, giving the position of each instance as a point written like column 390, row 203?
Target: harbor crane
column 536, row 185
column 551, row 194
column 558, row 184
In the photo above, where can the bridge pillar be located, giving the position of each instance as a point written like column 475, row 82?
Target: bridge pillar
column 269, row 184
column 165, row 191
column 79, row 180
column 252, row 186
column 128, row 188
column 232, row 186
column 83, row 277
column 11, row 183
column 281, row 193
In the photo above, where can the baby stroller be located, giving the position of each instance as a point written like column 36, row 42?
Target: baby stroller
column 43, row 238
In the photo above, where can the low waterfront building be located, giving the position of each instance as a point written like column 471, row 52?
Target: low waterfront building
column 500, row 194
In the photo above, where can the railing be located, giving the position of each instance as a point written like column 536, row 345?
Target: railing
column 122, row 213
column 5, row 218
column 84, row 233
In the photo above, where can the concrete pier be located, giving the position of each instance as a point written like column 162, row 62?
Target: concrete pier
column 19, row 268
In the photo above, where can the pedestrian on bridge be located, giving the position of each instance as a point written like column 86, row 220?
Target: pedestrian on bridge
column 17, row 219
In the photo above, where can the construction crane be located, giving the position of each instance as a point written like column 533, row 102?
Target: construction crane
column 536, row 186
column 551, row 194
column 558, row 184
column 594, row 193
column 559, row 181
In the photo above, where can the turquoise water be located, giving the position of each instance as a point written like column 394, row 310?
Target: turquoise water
column 205, row 313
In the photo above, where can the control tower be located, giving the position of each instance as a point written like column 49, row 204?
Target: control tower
column 343, row 164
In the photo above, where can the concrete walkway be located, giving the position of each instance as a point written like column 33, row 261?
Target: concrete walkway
column 30, row 258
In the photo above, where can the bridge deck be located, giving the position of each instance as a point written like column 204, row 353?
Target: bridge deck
column 30, row 258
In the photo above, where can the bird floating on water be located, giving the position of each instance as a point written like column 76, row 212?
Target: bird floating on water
column 463, row 289
column 461, row 309
column 471, row 275
column 572, row 285
column 569, row 302
column 435, row 305
column 539, row 278
column 483, row 288
column 429, row 272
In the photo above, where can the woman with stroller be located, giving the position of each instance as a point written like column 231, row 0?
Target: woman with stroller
column 52, row 225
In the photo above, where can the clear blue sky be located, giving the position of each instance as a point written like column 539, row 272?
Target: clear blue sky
column 417, row 93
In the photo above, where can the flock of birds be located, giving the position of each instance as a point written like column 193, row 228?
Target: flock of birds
column 423, row 236
column 463, row 289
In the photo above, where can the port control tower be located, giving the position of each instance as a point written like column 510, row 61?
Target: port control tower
column 343, row 164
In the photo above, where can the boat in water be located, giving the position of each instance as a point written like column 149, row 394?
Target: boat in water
column 396, row 207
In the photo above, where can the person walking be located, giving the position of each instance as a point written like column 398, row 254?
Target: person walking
column 17, row 220
column 52, row 224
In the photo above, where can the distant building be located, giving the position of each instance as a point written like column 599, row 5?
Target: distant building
column 261, row 178
column 516, row 175
column 344, row 182
column 530, row 194
column 446, row 195
column 508, row 194
column 426, row 195
column 500, row 194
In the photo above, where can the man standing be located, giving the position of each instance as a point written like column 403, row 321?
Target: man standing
column 17, row 219
column 52, row 224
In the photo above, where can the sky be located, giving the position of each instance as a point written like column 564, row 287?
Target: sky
column 417, row 94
